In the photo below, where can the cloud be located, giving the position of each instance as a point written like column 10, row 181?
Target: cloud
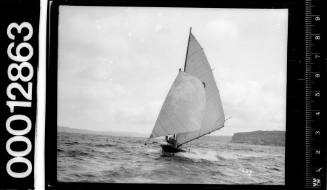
column 223, row 30
column 116, row 64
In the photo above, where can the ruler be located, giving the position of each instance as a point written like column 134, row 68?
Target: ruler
column 314, row 163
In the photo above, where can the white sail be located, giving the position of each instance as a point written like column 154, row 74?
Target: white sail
column 183, row 108
column 197, row 65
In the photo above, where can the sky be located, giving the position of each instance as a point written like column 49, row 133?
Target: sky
column 116, row 64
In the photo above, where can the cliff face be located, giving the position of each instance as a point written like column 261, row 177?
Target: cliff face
column 276, row 138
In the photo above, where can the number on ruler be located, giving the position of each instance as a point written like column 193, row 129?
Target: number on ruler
column 319, row 169
column 317, row 75
column 316, row 182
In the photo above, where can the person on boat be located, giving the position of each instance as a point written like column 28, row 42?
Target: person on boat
column 171, row 140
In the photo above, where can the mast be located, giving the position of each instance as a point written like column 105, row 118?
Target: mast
column 188, row 43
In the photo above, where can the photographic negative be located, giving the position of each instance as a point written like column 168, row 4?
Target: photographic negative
column 171, row 95
column 19, row 46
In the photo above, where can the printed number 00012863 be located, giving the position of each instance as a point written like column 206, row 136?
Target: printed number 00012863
column 20, row 72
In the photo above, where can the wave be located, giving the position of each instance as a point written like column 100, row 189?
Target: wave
column 198, row 155
column 273, row 168
column 71, row 143
column 104, row 145
column 229, row 156
column 78, row 154
column 128, row 160
column 152, row 150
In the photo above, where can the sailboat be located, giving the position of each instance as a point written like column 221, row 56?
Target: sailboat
column 193, row 107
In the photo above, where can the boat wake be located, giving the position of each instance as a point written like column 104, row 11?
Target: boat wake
column 152, row 150
column 199, row 155
column 211, row 155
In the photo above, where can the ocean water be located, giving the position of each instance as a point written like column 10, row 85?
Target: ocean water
column 109, row 159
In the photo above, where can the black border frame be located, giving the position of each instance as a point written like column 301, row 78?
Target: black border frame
column 17, row 11
column 295, row 123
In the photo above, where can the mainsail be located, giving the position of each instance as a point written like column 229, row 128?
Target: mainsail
column 184, row 107
column 197, row 65
column 193, row 106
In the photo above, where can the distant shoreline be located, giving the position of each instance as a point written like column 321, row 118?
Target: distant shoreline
column 272, row 138
column 269, row 138
column 110, row 133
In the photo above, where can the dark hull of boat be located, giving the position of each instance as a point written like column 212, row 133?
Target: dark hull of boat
column 170, row 150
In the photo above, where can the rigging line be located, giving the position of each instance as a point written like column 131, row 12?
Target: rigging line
column 188, row 43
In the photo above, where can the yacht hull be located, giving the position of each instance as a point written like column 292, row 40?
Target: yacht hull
column 170, row 150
